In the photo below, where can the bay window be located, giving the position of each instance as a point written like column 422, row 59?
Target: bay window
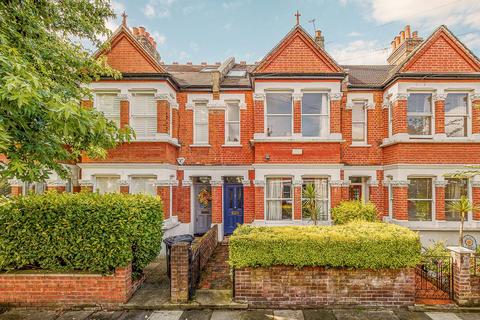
column 143, row 113
column 109, row 184
column 109, row 105
column 279, row 199
column 315, row 115
column 279, row 114
column 359, row 123
column 232, row 123
column 456, row 114
column 143, row 185
column 419, row 114
column 200, row 128
column 455, row 189
column 321, row 190
column 420, row 199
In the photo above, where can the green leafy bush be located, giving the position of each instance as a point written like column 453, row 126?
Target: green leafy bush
column 371, row 245
column 348, row 211
column 83, row 231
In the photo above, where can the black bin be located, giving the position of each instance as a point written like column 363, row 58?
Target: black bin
column 170, row 241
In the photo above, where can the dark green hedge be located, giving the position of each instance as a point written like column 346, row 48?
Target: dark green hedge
column 82, row 231
column 371, row 245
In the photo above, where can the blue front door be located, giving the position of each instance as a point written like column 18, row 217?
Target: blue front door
column 233, row 207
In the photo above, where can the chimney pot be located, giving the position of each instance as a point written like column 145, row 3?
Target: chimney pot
column 189, row 63
column 218, row 63
column 147, row 34
column 135, row 31
column 402, row 36
column 203, row 63
column 174, row 62
column 407, row 32
column 397, row 41
column 155, row 44
column 318, row 33
column 243, row 62
column 141, row 31
column 414, row 34
column 393, row 45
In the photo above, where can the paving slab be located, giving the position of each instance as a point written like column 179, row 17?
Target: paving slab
column 75, row 315
column 106, row 315
column 355, row 314
column 288, row 315
column 469, row 316
column 404, row 314
column 310, row 314
column 28, row 314
column 166, row 315
column 196, row 314
column 242, row 315
column 442, row 316
column 135, row 315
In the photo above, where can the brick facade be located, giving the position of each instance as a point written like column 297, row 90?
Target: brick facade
column 287, row 287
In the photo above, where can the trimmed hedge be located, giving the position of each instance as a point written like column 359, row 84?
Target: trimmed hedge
column 366, row 245
column 347, row 211
column 81, row 231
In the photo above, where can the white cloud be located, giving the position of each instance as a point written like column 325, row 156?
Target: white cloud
column 359, row 52
column 188, row 10
column 471, row 40
column 354, row 34
column 343, row 3
column 117, row 7
column 158, row 37
column 149, row 10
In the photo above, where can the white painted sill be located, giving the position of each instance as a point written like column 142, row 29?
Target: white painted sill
column 231, row 145
column 360, row 145
column 200, row 145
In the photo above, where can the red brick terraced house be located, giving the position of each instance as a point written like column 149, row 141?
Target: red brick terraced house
column 232, row 143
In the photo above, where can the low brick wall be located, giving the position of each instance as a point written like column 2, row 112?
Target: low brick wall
column 180, row 263
column 466, row 280
column 67, row 289
column 285, row 286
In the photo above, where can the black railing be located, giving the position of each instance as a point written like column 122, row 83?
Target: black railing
column 434, row 278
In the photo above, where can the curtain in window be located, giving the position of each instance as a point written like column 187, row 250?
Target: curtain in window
column 109, row 105
column 107, row 185
column 274, row 202
column 143, row 110
column 201, row 123
column 145, row 185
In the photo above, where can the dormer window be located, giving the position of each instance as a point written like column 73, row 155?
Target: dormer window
column 279, row 114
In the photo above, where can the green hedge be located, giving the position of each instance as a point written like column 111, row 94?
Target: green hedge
column 82, row 231
column 347, row 211
column 372, row 245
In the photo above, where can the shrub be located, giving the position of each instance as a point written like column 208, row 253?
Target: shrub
column 357, row 244
column 83, row 231
column 348, row 211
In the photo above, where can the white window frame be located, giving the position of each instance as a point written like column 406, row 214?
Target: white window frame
column 432, row 200
column 228, row 121
column 468, row 116
column 320, row 115
column 131, row 178
column 431, row 114
column 362, row 103
column 327, row 200
column 112, row 116
column 112, row 176
column 196, row 107
column 265, row 114
column 134, row 115
column 390, row 196
column 390, row 119
column 469, row 196
column 266, row 199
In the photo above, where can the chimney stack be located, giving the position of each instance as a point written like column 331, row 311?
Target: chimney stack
column 135, row 31
column 146, row 41
column 319, row 39
column 403, row 44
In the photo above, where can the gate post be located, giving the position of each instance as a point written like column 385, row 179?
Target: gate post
column 179, row 274
column 462, row 289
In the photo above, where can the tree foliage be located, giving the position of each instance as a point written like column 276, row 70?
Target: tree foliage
column 43, row 74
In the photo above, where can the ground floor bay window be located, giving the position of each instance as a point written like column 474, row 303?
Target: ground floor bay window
column 420, row 199
column 143, row 185
column 321, row 189
column 109, row 184
column 279, row 199
column 454, row 190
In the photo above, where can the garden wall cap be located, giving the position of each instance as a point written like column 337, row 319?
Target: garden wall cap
column 459, row 249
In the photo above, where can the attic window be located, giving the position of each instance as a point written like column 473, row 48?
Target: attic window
column 209, row 69
column 236, row 73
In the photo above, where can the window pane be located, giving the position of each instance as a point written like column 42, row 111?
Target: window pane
column 314, row 103
column 419, row 102
column 358, row 113
column 233, row 111
column 420, row 188
column 279, row 126
column 456, row 103
column 311, row 126
column 107, row 185
column 419, row 210
column 419, row 125
column 321, row 190
column 279, row 199
column 201, row 133
column 279, row 103
column 201, row 114
column 456, row 126
column 358, row 132
column 454, row 190
column 143, row 185
column 233, row 132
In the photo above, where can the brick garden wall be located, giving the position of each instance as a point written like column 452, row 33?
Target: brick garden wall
column 67, row 289
column 286, row 286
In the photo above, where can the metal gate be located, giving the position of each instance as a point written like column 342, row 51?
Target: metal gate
column 434, row 278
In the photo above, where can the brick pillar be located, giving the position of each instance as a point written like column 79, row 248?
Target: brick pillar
column 297, row 200
column 179, row 265
column 184, row 211
column 400, row 200
column 163, row 116
column 259, row 200
column 440, row 113
column 375, row 191
column 399, row 113
column 476, row 114
column 124, row 186
column 258, row 112
column 217, row 195
column 248, row 201
column 175, row 123
column 476, row 198
column 87, row 104
column 16, row 187
column 345, row 190
column 462, row 286
column 335, row 193
column 335, row 112
column 440, row 199
column 297, row 113
column 124, row 111
column 86, row 185
column 163, row 191
column 385, row 122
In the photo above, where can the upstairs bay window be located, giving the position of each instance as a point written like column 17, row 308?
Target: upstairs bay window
column 455, row 189
column 278, row 199
column 109, row 105
column 315, row 115
column 200, row 119
column 143, row 115
column 420, row 199
column 143, row 185
column 279, row 114
column 109, row 184
column 359, row 123
column 321, row 190
column 456, row 114
column 232, row 123
column 419, row 114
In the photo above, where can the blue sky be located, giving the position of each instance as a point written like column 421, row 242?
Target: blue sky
column 355, row 31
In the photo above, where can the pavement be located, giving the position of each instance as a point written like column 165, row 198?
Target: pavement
column 206, row 314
